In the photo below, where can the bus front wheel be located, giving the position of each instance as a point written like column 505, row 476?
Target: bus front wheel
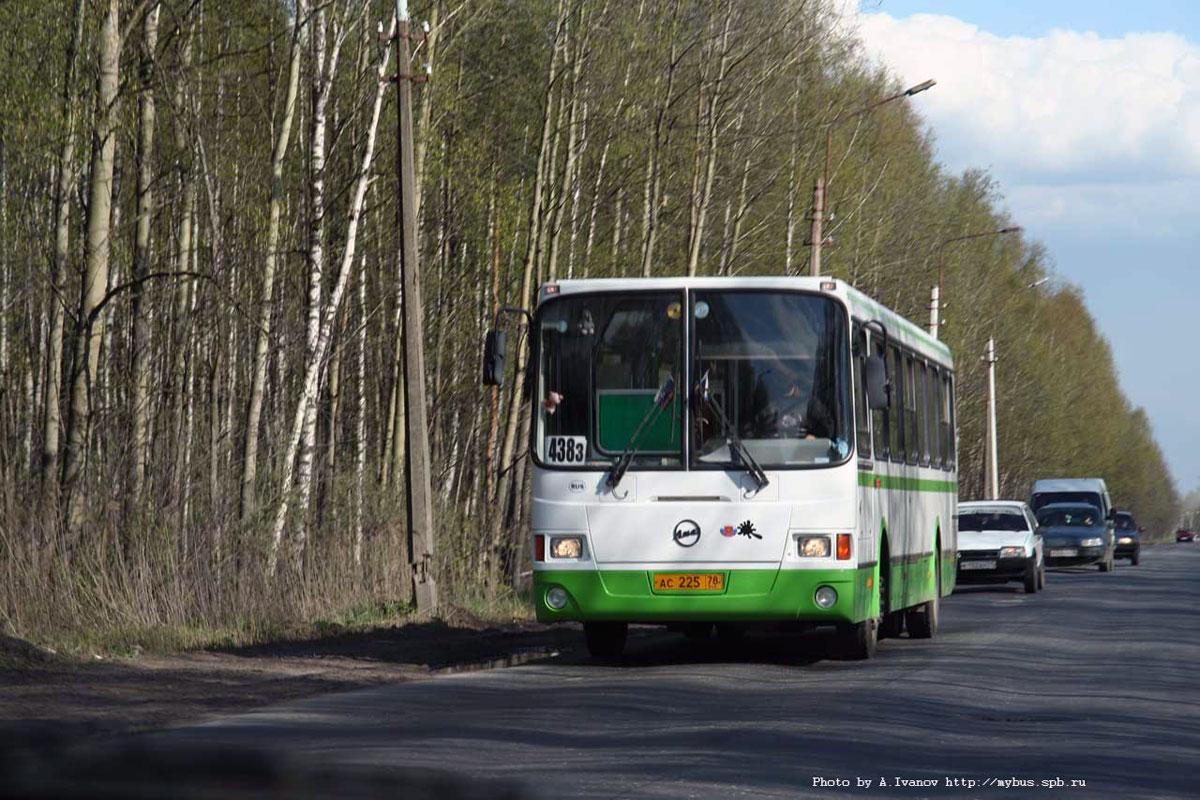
column 862, row 639
column 605, row 639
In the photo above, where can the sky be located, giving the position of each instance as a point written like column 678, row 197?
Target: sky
column 1088, row 115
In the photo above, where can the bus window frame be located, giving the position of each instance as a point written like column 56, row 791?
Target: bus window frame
column 859, row 348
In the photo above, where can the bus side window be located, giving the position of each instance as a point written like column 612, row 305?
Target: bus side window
column 935, row 423
column 879, row 417
column 924, row 414
column 896, row 413
column 948, row 421
column 912, row 409
column 861, row 412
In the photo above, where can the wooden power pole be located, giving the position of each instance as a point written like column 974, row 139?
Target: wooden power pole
column 418, row 495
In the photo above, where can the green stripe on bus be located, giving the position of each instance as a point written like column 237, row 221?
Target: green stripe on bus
column 902, row 483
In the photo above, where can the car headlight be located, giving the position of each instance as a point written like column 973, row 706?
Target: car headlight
column 812, row 546
column 1012, row 552
column 1095, row 541
column 566, row 547
column 1126, row 540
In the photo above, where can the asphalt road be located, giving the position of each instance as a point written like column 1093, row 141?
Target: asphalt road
column 1094, row 680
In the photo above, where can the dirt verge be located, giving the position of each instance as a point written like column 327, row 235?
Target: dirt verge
column 51, row 699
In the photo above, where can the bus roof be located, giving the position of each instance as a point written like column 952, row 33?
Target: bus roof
column 861, row 306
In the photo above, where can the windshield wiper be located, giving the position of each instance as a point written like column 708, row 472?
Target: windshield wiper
column 731, row 437
column 661, row 400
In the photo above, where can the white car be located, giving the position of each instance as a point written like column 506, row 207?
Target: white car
column 998, row 542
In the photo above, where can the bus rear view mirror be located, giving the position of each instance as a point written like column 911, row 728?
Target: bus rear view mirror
column 495, row 352
column 877, row 384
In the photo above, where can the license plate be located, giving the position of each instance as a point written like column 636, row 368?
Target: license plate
column 977, row 565
column 1068, row 553
column 689, row 581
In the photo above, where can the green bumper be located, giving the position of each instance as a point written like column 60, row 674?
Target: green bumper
column 749, row 595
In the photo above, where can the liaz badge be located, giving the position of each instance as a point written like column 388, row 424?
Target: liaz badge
column 728, row 531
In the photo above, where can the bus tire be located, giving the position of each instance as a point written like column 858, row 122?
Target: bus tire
column 1031, row 579
column 863, row 639
column 922, row 621
column 605, row 639
column 892, row 625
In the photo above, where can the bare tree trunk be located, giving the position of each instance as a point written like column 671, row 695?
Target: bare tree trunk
column 569, row 167
column 141, row 252
column 360, row 443
column 270, row 266
column 95, row 278
column 652, row 185
column 62, row 256
column 713, row 118
column 324, row 69
column 317, row 357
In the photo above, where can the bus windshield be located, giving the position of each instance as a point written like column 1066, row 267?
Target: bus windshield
column 603, row 359
column 776, row 366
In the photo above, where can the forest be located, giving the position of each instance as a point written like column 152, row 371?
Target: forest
column 201, row 408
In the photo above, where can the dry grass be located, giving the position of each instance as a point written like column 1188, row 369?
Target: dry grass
column 125, row 589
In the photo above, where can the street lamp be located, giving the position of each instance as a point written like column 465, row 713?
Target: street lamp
column 821, row 187
column 989, row 357
column 935, row 305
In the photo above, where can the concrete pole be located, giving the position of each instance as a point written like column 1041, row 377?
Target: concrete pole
column 993, row 471
column 934, row 308
column 818, row 216
column 418, row 494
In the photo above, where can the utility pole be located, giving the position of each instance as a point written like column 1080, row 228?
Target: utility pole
column 818, row 216
column 934, row 308
column 993, row 463
column 418, row 495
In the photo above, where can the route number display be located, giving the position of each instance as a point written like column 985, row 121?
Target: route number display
column 566, row 449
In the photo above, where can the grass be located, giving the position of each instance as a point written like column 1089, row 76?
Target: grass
column 124, row 593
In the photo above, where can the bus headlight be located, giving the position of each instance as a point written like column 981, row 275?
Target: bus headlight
column 1012, row 552
column 566, row 547
column 825, row 597
column 556, row 598
column 812, row 546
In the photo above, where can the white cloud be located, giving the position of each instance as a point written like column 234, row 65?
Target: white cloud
column 1057, row 107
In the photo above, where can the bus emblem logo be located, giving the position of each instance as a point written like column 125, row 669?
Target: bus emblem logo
column 687, row 533
column 728, row 531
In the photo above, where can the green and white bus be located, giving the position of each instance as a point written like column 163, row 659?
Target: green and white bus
column 734, row 451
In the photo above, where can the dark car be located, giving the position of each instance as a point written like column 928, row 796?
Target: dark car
column 1076, row 534
column 1129, row 537
column 1185, row 535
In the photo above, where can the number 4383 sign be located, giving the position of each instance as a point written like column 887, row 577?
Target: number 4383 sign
column 566, row 449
